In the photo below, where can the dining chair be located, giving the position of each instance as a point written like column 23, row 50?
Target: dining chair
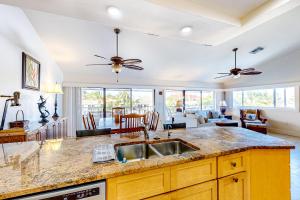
column 132, row 123
column 148, row 117
column 86, row 123
column 84, row 133
column 154, row 121
column 92, row 120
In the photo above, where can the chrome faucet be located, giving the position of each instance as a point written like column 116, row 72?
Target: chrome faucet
column 169, row 133
column 146, row 134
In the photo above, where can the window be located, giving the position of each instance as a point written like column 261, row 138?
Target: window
column 276, row 97
column 260, row 98
column 92, row 101
column 193, row 100
column 208, row 100
column 280, row 102
column 142, row 100
column 117, row 98
column 172, row 97
column 290, row 97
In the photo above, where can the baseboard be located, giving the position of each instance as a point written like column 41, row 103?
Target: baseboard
column 284, row 132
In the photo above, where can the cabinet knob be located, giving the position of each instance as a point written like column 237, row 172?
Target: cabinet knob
column 233, row 164
column 235, row 180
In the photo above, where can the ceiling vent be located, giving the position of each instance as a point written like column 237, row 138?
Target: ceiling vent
column 256, row 50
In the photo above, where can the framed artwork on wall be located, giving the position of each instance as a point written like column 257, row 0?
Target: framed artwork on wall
column 31, row 72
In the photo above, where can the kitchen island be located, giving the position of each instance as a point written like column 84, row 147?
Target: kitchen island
column 259, row 164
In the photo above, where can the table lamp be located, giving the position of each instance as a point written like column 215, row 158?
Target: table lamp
column 223, row 106
column 55, row 89
column 179, row 105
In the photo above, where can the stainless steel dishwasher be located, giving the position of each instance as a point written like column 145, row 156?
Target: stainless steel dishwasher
column 91, row 191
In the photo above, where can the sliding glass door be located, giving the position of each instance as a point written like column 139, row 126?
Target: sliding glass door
column 92, row 100
column 100, row 101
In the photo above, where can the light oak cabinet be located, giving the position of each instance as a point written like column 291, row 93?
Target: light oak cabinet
column 234, row 187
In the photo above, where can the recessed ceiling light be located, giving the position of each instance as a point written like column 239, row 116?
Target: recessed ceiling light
column 114, row 12
column 187, row 30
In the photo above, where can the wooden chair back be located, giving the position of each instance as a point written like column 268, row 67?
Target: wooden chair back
column 132, row 122
column 148, row 117
column 92, row 120
column 154, row 121
column 86, row 123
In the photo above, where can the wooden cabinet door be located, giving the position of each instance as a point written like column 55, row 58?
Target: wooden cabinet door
column 160, row 197
column 139, row 185
column 203, row 191
column 192, row 173
column 234, row 187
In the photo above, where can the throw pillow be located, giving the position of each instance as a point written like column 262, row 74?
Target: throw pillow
column 251, row 116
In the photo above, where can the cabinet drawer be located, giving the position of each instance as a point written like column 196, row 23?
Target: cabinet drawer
column 193, row 173
column 140, row 185
column 234, row 187
column 232, row 164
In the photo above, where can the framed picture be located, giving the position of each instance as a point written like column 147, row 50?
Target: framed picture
column 31, row 72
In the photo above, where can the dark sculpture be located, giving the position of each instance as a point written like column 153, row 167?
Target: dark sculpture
column 43, row 110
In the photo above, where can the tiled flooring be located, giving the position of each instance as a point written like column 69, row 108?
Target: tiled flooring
column 295, row 165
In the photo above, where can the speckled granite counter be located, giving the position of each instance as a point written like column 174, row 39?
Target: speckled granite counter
column 29, row 167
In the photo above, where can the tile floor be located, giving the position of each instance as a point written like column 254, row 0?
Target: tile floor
column 295, row 165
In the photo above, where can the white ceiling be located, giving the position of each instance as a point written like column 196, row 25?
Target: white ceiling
column 74, row 31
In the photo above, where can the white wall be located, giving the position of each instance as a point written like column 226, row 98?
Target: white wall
column 18, row 35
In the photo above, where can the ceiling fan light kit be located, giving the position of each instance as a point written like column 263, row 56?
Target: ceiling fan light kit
column 117, row 63
column 237, row 72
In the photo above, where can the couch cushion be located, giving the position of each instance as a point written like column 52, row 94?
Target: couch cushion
column 213, row 114
column 253, row 121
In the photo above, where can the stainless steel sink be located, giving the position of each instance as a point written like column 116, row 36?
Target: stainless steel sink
column 142, row 151
column 172, row 147
column 135, row 152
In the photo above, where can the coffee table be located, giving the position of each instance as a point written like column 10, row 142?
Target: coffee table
column 227, row 122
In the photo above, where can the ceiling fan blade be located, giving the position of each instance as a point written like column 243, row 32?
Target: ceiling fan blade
column 223, row 76
column 248, row 69
column 225, row 73
column 132, row 61
column 99, row 64
column 251, row 73
column 100, row 56
column 135, row 67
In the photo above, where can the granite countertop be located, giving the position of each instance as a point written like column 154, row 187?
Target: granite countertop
column 30, row 167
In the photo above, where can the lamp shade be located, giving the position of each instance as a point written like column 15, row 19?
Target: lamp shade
column 223, row 103
column 54, row 89
column 179, row 103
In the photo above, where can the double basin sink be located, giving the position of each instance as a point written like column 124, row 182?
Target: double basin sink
column 141, row 151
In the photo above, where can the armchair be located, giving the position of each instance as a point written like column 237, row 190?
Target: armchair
column 257, row 120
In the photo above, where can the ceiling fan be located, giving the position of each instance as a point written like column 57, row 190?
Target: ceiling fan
column 117, row 62
column 237, row 72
